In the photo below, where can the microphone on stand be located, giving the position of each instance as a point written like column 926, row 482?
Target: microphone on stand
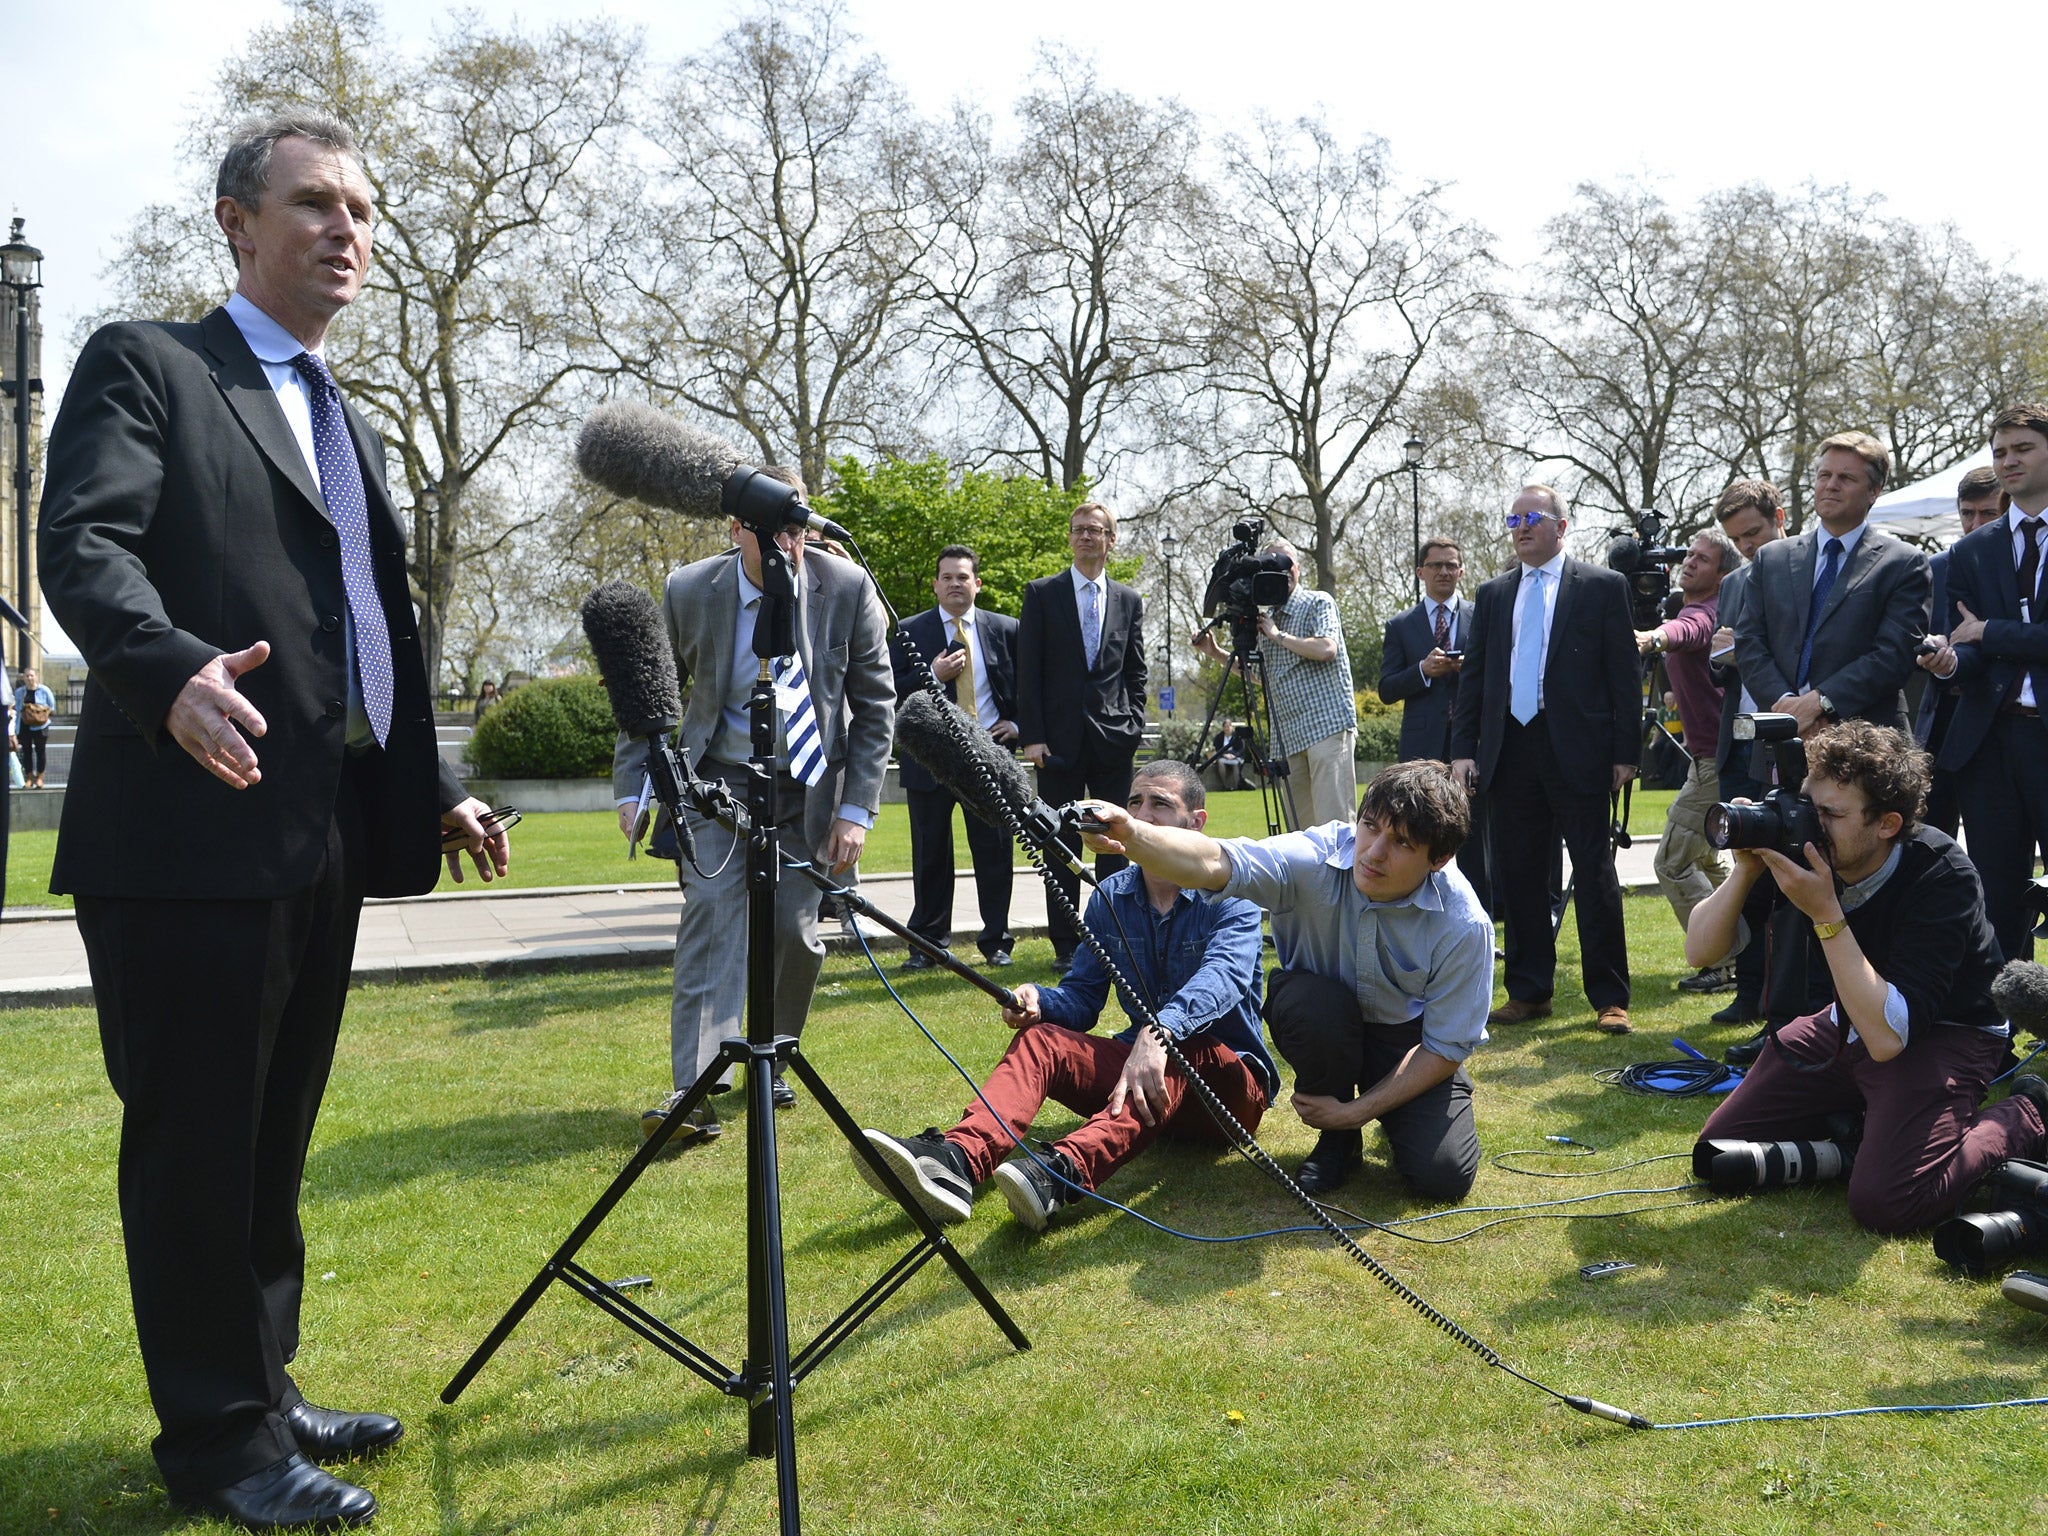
column 947, row 743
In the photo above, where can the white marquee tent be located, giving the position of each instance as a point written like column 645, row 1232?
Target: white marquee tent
column 1928, row 508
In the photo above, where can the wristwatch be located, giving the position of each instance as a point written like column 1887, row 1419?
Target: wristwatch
column 1827, row 707
column 1826, row 931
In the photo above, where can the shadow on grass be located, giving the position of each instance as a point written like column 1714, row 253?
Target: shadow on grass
column 482, row 1144
column 521, row 1002
column 95, row 1485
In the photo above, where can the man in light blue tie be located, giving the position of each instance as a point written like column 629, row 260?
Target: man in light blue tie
column 1548, row 726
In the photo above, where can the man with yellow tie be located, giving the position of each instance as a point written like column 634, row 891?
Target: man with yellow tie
column 972, row 653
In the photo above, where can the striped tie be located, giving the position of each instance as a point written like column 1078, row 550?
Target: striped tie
column 800, row 728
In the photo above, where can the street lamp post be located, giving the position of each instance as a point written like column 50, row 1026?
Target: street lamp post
column 1169, row 546
column 21, row 269
column 1412, row 451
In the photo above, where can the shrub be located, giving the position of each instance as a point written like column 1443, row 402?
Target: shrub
column 1379, row 738
column 560, row 728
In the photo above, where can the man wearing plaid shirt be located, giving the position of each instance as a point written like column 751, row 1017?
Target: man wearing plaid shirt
column 1308, row 689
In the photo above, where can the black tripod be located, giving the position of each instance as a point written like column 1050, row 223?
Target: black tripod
column 1276, row 791
column 769, row 1374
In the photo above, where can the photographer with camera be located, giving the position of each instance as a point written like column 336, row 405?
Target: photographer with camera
column 1308, row 690
column 1688, row 866
column 1886, row 1080
column 1386, row 967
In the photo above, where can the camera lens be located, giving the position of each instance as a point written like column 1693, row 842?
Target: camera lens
column 1741, row 826
column 1977, row 1244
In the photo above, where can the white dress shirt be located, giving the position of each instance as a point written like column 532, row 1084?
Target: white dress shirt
column 2028, row 603
column 1551, row 572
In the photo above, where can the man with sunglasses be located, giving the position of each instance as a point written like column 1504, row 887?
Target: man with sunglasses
column 1912, row 1039
column 1548, row 726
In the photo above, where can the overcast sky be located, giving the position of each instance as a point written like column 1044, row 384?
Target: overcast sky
column 1514, row 105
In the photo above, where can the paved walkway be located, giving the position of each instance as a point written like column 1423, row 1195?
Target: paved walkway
column 480, row 932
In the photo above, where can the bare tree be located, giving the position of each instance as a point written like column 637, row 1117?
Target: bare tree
column 497, row 206
column 1051, row 280
column 774, row 278
column 1329, row 292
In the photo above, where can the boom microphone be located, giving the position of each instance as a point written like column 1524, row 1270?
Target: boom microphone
column 624, row 628
column 954, row 752
column 635, row 451
column 2020, row 992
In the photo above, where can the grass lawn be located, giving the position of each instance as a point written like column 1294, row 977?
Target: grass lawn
column 584, row 848
column 468, row 1125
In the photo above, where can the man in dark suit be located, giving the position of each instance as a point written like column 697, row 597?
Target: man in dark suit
column 1833, row 615
column 1996, row 654
column 974, row 654
column 1548, row 725
column 1419, row 662
column 1978, row 501
column 217, row 538
column 1081, row 689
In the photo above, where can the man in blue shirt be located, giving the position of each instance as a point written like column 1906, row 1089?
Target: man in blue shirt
column 1196, row 960
column 1386, row 971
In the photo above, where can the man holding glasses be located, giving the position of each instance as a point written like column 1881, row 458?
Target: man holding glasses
column 1548, row 725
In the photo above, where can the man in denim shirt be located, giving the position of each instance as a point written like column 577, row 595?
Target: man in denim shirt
column 1195, row 959
column 1386, row 971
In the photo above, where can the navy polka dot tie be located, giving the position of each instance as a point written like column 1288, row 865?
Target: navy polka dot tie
column 341, row 484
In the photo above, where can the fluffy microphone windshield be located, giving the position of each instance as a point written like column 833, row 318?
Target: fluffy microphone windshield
column 634, row 658
column 2020, row 992
column 633, row 450
column 949, row 753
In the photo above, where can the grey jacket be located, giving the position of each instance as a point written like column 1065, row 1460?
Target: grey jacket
column 842, row 635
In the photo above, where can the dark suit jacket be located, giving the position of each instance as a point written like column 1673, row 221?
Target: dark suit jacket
column 180, row 522
column 1935, row 693
column 1863, row 649
column 928, row 631
column 1592, row 677
column 1082, row 714
column 1426, row 710
column 1983, row 578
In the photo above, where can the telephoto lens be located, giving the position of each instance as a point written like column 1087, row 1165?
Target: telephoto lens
column 1736, row 1167
column 1984, row 1241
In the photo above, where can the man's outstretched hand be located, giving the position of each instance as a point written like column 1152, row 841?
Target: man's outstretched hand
column 204, row 715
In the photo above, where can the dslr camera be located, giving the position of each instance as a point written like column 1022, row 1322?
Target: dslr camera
column 1984, row 1241
column 1786, row 820
column 1242, row 581
column 1640, row 554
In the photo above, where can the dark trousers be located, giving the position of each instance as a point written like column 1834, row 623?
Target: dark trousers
column 1738, row 784
column 931, row 871
column 1924, row 1140
column 35, row 751
column 1050, row 1061
column 2004, row 789
column 1103, row 775
column 1334, row 1051
column 1532, row 808
column 218, row 1022
column 1475, row 858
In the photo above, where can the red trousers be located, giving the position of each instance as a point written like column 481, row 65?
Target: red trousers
column 1050, row 1061
column 1925, row 1142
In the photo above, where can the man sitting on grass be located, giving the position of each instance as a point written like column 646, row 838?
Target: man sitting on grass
column 1194, row 958
column 1386, row 971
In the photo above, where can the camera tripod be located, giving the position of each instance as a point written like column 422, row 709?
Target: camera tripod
column 768, row 1375
column 1276, row 791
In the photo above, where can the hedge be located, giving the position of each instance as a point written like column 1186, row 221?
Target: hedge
column 558, row 728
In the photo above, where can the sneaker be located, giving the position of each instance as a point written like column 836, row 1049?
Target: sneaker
column 1710, row 978
column 702, row 1124
column 1032, row 1191
column 934, row 1168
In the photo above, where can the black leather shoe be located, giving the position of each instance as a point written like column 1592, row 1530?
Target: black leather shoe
column 1745, row 1052
column 294, row 1495
column 1741, row 1011
column 999, row 959
column 918, row 960
column 326, row 1435
column 1336, row 1156
column 781, row 1094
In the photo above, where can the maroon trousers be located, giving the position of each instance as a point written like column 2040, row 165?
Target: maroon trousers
column 1925, row 1142
column 1050, row 1061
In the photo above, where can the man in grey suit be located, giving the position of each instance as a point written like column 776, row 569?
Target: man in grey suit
column 1834, row 615
column 841, row 639
column 1419, row 664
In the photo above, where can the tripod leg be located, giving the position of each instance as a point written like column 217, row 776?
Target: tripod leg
column 934, row 1235
column 771, row 1422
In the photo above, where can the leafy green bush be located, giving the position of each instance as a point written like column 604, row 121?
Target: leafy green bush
column 1379, row 738
column 559, row 728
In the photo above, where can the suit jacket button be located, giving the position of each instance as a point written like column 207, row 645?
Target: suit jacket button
column 336, row 709
column 327, row 538
column 330, row 623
